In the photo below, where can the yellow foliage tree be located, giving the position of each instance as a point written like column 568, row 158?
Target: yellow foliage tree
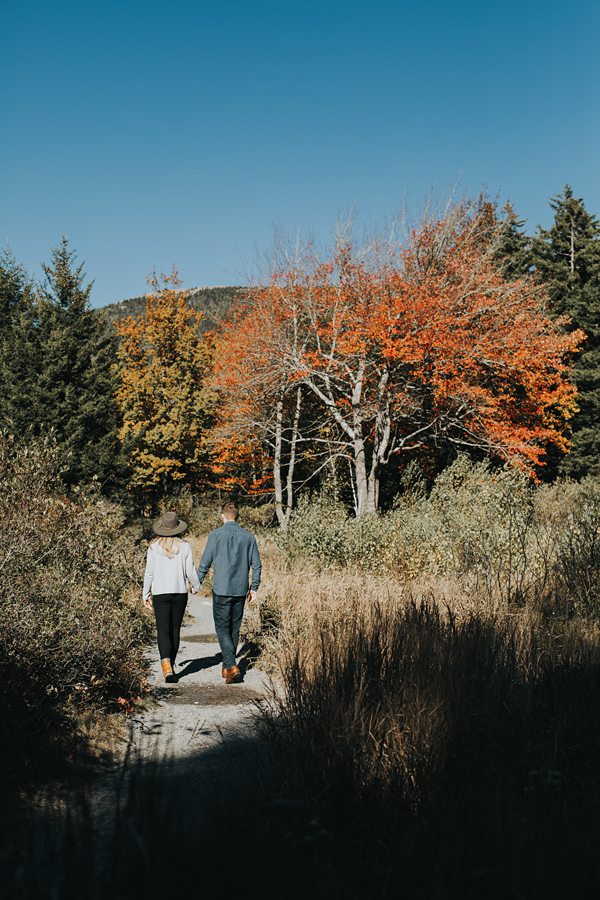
column 165, row 404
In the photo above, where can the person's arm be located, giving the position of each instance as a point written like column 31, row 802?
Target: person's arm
column 207, row 558
column 148, row 578
column 190, row 571
column 256, row 567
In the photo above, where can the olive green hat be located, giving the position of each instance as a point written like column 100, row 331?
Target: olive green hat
column 169, row 525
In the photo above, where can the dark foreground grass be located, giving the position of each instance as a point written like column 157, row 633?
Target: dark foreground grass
column 411, row 755
column 460, row 759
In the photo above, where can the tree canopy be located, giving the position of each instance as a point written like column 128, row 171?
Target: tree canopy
column 400, row 348
column 165, row 404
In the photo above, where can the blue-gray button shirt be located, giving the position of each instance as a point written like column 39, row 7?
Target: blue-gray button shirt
column 232, row 551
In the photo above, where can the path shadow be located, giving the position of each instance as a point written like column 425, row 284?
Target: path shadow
column 248, row 656
column 197, row 665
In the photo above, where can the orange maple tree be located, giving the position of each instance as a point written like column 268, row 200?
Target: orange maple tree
column 425, row 344
column 258, row 419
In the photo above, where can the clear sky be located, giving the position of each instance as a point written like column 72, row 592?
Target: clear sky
column 181, row 133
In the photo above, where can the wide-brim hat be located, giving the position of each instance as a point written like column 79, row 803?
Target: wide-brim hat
column 169, row 525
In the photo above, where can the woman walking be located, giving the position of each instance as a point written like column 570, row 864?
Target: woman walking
column 169, row 567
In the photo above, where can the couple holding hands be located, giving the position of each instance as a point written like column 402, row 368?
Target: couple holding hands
column 233, row 553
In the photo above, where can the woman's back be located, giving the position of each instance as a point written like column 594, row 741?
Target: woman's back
column 169, row 567
column 169, row 571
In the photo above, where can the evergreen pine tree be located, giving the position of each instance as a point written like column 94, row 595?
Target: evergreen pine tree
column 514, row 253
column 14, row 288
column 78, row 351
column 19, row 349
column 567, row 257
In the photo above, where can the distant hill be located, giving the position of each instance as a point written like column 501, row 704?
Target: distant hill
column 214, row 302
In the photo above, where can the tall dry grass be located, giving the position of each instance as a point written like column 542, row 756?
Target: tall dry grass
column 491, row 531
column 409, row 754
column 445, row 746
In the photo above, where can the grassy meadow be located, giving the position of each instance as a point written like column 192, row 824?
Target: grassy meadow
column 435, row 727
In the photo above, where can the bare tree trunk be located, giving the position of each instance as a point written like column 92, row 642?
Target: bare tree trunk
column 360, row 476
column 383, row 437
column 360, row 460
column 289, row 490
column 373, row 490
column 365, row 497
column 277, row 480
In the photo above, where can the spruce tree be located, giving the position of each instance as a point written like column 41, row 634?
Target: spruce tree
column 78, row 351
column 19, row 349
column 14, row 288
column 567, row 258
column 514, row 254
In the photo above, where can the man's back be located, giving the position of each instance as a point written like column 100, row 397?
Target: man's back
column 232, row 551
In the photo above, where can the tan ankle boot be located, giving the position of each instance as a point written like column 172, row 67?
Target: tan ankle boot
column 167, row 670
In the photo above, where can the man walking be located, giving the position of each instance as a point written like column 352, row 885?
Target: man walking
column 232, row 551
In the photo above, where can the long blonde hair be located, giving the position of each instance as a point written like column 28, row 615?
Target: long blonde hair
column 170, row 546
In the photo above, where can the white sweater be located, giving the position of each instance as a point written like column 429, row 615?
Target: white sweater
column 169, row 576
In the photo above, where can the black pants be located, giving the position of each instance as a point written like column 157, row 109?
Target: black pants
column 169, row 610
column 228, row 613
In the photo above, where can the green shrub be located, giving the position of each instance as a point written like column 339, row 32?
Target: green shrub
column 202, row 513
column 577, row 564
column 505, row 539
column 318, row 528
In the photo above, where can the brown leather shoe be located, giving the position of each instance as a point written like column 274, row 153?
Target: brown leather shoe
column 224, row 672
column 233, row 675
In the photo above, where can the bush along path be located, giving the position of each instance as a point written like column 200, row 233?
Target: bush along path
column 200, row 710
column 152, row 825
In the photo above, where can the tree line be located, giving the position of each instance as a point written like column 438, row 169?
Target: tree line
column 353, row 367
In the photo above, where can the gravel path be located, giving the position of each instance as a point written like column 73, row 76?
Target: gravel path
column 198, row 731
column 200, row 711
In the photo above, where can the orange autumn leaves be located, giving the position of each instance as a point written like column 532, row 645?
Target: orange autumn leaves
column 355, row 361
column 404, row 348
column 485, row 353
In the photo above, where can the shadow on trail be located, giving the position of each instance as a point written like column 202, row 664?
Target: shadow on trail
column 420, row 758
column 198, row 665
column 248, row 656
column 157, row 830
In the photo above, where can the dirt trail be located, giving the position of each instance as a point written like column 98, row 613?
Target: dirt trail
column 192, row 729
column 200, row 733
column 200, row 711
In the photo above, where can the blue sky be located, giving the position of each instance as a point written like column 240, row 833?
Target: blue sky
column 155, row 134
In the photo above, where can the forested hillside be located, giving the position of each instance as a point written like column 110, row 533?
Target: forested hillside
column 212, row 302
column 350, row 367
